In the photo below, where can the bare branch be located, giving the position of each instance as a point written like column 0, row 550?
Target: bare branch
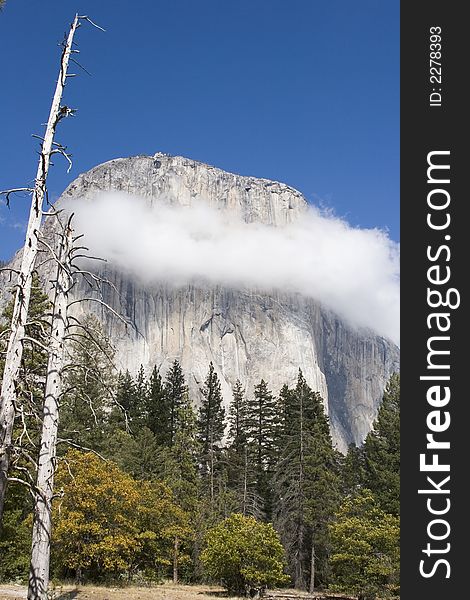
column 36, row 342
column 53, row 211
column 7, row 193
column 24, row 431
column 87, row 18
column 84, row 448
column 63, row 153
column 60, row 263
column 39, row 324
column 75, row 338
column 44, row 262
column 49, row 247
column 28, row 456
column 5, row 333
column 89, row 257
column 99, row 281
column 10, row 270
column 38, row 137
column 31, row 488
column 89, row 299
column 81, row 66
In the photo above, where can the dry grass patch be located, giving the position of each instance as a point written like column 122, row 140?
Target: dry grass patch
column 167, row 591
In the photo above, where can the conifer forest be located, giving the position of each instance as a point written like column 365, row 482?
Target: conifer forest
column 151, row 485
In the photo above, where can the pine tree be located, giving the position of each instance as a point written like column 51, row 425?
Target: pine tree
column 89, row 381
column 285, row 414
column 237, row 438
column 237, row 419
column 142, row 459
column 306, row 483
column 138, row 411
column 382, row 450
column 130, row 404
column 119, row 417
column 159, row 418
column 353, row 470
column 179, row 463
column 211, row 427
column 211, row 413
column 175, row 390
column 241, row 471
column 262, row 424
column 178, row 468
column 323, row 494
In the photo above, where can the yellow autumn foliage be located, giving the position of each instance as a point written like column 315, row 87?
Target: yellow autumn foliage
column 107, row 523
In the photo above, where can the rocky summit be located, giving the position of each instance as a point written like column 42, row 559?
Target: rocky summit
column 248, row 334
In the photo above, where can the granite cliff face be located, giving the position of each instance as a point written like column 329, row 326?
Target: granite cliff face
column 247, row 334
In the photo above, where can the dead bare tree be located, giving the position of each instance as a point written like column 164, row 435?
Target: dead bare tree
column 65, row 328
column 23, row 287
column 62, row 326
column 44, row 489
column 14, row 352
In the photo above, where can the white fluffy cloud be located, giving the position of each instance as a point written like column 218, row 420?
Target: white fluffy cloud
column 355, row 272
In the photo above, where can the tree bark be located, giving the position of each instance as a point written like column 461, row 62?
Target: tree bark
column 42, row 519
column 211, row 455
column 299, row 568
column 312, row 569
column 23, row 292
column 175, row 560
column 245, row 483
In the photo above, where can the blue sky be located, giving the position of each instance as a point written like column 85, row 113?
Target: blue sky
column 305, row 92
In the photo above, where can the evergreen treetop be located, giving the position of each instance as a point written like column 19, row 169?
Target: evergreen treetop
column 382, row 450
column 211, row 420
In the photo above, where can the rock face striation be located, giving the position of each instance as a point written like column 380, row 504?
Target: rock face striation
column 247, row 334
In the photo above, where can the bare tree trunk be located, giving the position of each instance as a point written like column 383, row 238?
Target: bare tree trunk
column 245, row 483
column 299, row 570
column 20, row 311
column 42, row 523
column 175, row 560
column 212, row 471
column 312, row 568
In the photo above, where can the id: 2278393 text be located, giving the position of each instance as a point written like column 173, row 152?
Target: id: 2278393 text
column 435, row 66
